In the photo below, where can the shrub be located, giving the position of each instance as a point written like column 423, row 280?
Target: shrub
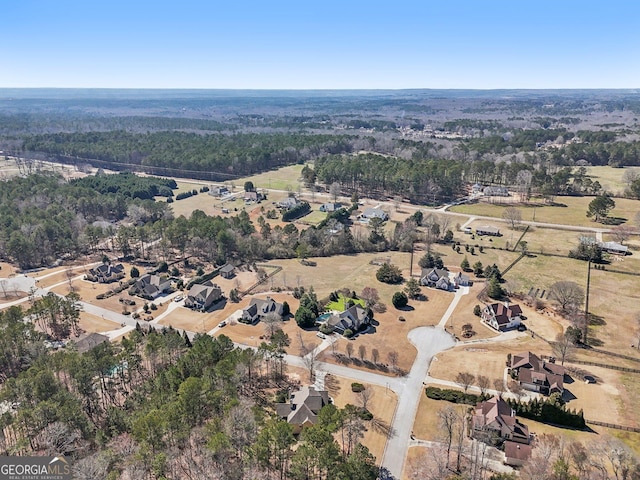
column 296, row 212
column 399, row 300
column 135, row 273
column 357, row 387
column 453, row 396
column 477, row 311
column 389, row 273
column 348, row 333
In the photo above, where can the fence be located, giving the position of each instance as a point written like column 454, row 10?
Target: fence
column 604, row 365
column 276, row 269
column 612, row 425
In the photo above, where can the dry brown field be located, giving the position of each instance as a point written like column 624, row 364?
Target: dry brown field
column 92, row 323
column 382, row 405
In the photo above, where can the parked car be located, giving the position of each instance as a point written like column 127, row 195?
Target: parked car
column 321, row 335
column 178, row 298
column 222, row 323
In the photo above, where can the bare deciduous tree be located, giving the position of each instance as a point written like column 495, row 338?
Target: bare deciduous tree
column 393, row 359
column 375, row 355
column 621, row 233
column 465, row 379
column 272, row 323
column 362, row 352
column 370, row 296
column 483, row 383
column 562, row 348
column 349, row 348
column 567, row 294
column 334, row 191
column 498, row 385
column 513, row 216
column 364, row 397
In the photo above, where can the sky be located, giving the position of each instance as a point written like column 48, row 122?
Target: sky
column 321, row 44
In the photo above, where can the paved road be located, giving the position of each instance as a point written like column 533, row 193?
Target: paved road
column 428, row 341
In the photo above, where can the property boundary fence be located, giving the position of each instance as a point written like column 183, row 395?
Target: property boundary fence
column 613, row 425
column 276, row 269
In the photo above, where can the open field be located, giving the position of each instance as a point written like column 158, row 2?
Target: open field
column 565, row 211
column 610, row 178
column 426, row 426
column 382, row 404
column 281, row 179
column 92, row 323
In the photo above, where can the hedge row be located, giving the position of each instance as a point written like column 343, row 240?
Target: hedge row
column 454, row 396
column 296, row 212
column 549, row 411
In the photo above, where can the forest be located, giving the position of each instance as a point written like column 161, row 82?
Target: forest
column 162, row 405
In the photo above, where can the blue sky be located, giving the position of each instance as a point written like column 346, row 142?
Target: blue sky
column 320, row 44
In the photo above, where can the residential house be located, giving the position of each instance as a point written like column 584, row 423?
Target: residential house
column 259, row 308
column 461, row 280
column 253, row 196
column 436, row 278
column 288, row 203
column 353, row 318
column 151, row 286
column 502, row 316
column 219, row 191
column 488, row 230
column 614, row 247
column 495, row 191
column 370, row 213
column 90, row 341
column 494, row 422
column 202, row 296
column 537, row 375
column 330, row 207
column 227, row 271
column 106, row 273
column 303, row 407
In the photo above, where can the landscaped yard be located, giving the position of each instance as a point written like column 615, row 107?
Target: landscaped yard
column 339, row 304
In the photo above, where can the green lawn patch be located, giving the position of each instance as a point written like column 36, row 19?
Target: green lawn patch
column 340, row 303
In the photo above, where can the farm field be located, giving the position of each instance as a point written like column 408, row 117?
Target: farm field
column 565, row 211
column 610, row 178
column 281, row 179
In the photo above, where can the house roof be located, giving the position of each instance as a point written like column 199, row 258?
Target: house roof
column 374, row 212
column 351, row 318
column 517, row 451
column 488, row 229
column 533, row 370
column 261, row 307
column 496, row 414
column 228, row 268
column 90, row 341
column 504, row 314
column 613, row 246
column 203, row 293
column 303, row 406
column 435, row 271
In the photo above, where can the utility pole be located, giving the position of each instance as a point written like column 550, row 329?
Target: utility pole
column 586, row 304
column 411, row 261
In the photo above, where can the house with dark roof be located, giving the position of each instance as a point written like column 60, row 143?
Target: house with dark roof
column 202, row 296
column 537, row 375
column 436, row 278
column 494, row 422
column 488, row 230
column 303, row 407
column 353, row 318
column 227, row 271
column 151, row 286
column 502, row 316
column 493, row 191
column 259, row 308
column 106, row 273
column 90, row 341
column 253, row 196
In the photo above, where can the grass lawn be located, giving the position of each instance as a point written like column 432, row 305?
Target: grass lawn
column 281, row 179
column 566, row 211
column 340, row 303
column 610, row 178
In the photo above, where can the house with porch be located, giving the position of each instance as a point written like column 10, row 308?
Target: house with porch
column 151, row 286
column 436, row 278
column 106, row 273
column 259, row 308
column 202, row 296
column 488, row 230
column 370, row 213
column 494, row 422
column 502, row 316
column 303, row 407
column 353, row 318
column 537, row 375
column 461, row 280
